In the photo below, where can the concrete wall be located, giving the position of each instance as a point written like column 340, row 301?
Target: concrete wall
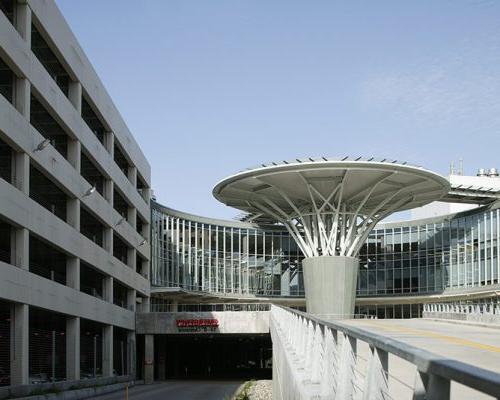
column 229, row 322
column 21, row 286
column 24, row 212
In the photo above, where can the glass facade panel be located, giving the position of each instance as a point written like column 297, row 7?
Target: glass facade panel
column 452, row 253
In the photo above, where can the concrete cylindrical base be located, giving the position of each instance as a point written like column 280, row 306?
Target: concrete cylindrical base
column 330, row 285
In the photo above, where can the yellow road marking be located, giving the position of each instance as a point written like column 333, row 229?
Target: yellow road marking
column 451, row 339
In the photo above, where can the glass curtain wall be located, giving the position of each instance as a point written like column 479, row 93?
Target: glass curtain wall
column 453, row 253
column 215, row 258
column 397, row 259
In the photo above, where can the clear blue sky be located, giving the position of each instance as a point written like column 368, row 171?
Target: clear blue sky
column 211, row 87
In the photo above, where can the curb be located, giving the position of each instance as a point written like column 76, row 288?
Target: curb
column 85, row 393
column 461, row 322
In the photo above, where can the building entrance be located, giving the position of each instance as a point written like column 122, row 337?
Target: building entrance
column 217, row 356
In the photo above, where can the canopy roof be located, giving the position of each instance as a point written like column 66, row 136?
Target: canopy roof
column 363, row 186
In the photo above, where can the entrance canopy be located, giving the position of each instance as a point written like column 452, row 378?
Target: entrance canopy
column 330, row 205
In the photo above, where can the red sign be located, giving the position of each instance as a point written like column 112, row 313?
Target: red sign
column 188, row 323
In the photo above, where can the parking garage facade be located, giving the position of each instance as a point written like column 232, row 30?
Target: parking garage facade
column 74, row 209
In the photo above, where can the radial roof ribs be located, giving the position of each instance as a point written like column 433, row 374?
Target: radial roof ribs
column 329, row 206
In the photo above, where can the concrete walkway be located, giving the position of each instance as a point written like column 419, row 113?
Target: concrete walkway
column 179, row 390
column 475, row 345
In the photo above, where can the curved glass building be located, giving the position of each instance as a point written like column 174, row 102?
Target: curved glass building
column 402, row 264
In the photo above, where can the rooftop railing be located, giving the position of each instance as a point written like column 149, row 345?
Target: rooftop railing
column 486, row 313
column 314, row 359
column 326, row 159
column 451, row 308
column 209, row 307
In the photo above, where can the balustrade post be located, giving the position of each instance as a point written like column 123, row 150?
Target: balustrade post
column 347, row 366
column 318, row 352
column 376, row 381
column 431, row 387
column 309, row 356
column 329, row 368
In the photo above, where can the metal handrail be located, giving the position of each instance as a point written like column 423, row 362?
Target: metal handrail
column 434, row 369
column 209, row 307
column 453, row 308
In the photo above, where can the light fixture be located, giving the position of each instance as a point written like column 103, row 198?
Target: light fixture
column 120, row 221
column 90, row 191
column 143, row 242
column 42, row 145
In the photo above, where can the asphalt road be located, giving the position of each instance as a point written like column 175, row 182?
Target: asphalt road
column 179, row 390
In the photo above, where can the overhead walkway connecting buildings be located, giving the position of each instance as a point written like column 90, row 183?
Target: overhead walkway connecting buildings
column 382, row 359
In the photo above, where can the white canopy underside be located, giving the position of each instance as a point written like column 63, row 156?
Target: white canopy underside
column 330, row 207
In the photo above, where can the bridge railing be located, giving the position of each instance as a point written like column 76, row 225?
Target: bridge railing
column 315, row 359
column 473, row 313
column 451, row 308
column 208, row 307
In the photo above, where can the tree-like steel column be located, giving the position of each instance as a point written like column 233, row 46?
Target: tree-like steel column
column 329, row 207
column 330, row 232
column 332, row 225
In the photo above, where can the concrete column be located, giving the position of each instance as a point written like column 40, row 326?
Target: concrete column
column 75, row 153
column 108, row 190
column 145, row 268
column 131, row 353
column 72, row 348
column 73, row 213
column 108, row 240
column 131, row 294
column 330, row 286
column 149, row 359
column 22, row 96
column 73, row 204
column 131, row 258
column 21, row 172
column 108, row 289
column 19, row 349
column 75, row 95
column 132, row 175
column 23, row 21
column 20, row 248
column 73, row 272
column 146, row 229
column 107, row 351
column 146, row 194
column 73, row 323
column 109, row 143
column 20, row 238
column 132, row 217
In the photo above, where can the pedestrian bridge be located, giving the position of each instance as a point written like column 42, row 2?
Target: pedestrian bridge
column 382, row 359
